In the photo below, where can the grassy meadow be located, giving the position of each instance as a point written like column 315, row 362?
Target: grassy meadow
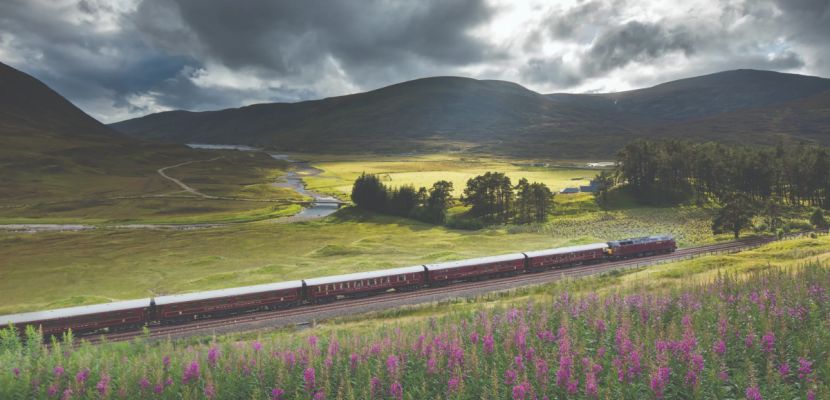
column 749, row 325
column 108, row 264
column 143, row 196
column 424, row 170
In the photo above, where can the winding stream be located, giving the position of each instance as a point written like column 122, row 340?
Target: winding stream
column 294, row 180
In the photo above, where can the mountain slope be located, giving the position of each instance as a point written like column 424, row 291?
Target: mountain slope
column 28, row 105
column 478, row 112
column 805, row 119
column 496, row 116
column 54, row 151
column 703, row 96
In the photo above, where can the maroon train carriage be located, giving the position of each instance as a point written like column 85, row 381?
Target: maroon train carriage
column 215, row 303
column 641, row 247
column 476, row 268
column 364, row 283
column 96, row 318
column 565, row 256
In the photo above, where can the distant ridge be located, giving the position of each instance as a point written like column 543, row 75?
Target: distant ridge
column 498, row 116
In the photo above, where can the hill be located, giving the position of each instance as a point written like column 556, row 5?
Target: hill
column 53, row 151
column 703, row 96
column 414, row 115
column 504, row 117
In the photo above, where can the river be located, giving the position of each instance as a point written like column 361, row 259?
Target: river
column 321, row 206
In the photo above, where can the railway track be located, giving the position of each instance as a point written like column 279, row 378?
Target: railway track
column 311, row 313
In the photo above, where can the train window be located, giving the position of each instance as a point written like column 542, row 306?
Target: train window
column 374, row 281
column 341, row 286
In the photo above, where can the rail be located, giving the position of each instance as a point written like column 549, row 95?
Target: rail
column 308, row 315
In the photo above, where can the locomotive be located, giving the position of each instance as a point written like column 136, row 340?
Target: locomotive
column 182, row 308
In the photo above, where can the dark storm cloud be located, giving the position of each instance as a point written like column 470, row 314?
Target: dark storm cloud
column 160, row 46
column 288, row 38
column 636, row 42
column 122, row 58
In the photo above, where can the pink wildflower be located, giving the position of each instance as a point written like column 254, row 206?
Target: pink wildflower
column 720, row 347
column 396, row 390
column 804, row 368
column 309, row 378
column 191, row 372
column 277, row 394
column 752, row 393
column 82, row 376
column 768, row 342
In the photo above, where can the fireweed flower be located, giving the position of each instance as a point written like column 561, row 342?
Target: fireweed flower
column 58, row 371
column 659, row 380
column 392, row 364
column 510, row 377
column 82, row 376
column 374, row 385
column 750, row 340
column 784, row 369
column 67, row 394
column 752, row 393
column 191, row 372
column 452, row 384
column 520, row 391
column 53, row 390
column 16, row 372
column 309, row 379
column 210, row 391
column 103, row 385
column 166, row 361
column 396, row 390
column 720, row 347
column 804, row 368
column 489, row 343
column 277, row 394
column 213, row 355
column 321, row 395
column 257, row 346
column 144, row 383
column 768, row 342
column 723, row 375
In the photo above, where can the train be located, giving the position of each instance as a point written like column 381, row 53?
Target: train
column 183, row 308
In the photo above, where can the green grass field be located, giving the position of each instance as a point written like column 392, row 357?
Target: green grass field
column 424, row 170
column 143, row 196
column 58, row 269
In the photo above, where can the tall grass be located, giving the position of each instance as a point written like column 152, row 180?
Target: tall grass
column 757, row 335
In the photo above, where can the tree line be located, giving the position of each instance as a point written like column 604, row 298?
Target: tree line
column 491, row 198
column 746, row 182
column 794, row 174
column 429, row 205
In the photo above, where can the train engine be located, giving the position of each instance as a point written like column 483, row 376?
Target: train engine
column 640, row 247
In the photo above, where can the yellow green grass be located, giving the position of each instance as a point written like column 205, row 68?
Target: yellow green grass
column 424, row 170
column 143, row 196
column 57, row 269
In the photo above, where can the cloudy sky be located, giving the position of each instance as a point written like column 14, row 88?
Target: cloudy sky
column 118, row 59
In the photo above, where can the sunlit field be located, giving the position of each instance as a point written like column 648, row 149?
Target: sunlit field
column 424, row 170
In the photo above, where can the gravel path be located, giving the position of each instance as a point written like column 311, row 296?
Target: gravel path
column 183, row 185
